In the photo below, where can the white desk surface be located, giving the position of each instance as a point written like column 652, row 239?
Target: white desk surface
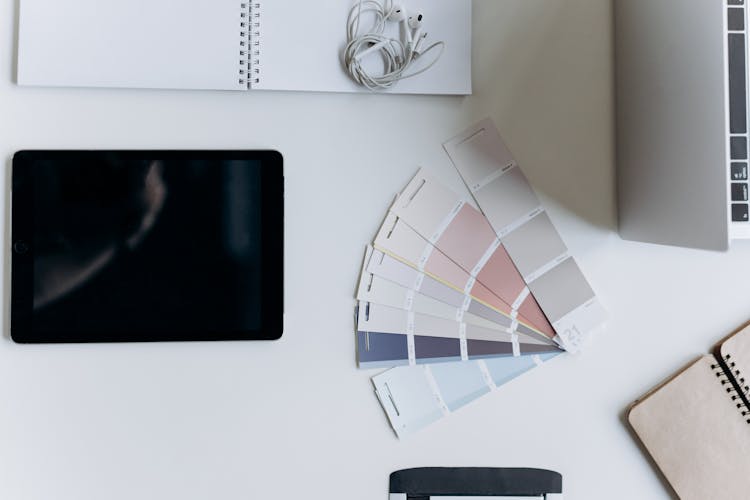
column 293, row 418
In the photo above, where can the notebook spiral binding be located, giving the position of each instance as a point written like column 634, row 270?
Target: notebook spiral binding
column 249, row 62
column 244, row 65
column 255, row 40
column 739, row 397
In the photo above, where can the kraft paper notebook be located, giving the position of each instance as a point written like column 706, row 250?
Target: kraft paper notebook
column 220, row 44
column 696, row 426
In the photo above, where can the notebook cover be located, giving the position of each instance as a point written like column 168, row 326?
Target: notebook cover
column 133, row 43
column 301, row 45
column 220, row 44
column 696, row 434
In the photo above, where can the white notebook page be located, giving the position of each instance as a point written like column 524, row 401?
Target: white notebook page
column 301, row 45
column 130, row 43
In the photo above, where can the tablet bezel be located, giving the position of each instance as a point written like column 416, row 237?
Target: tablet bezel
column 272, row 247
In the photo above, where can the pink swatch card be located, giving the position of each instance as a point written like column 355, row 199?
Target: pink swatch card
column 517, row 218
column 461, row 233
column 378, row 290
column 401, row 241
column 392, row 269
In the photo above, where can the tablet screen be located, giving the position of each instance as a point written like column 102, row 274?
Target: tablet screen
column 145, row 246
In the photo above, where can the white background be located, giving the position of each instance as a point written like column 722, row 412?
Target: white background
column 281, row 420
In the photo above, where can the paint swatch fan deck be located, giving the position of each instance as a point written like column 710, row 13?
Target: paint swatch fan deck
column 455, row 301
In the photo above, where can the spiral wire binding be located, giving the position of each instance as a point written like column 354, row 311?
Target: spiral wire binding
column 249, row 68
column 254, row 65
column 739, row 397
column 244, row 66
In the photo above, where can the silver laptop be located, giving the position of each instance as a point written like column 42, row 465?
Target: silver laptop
column 682, row 121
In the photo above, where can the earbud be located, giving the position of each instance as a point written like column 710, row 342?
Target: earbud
column 398, row 14
column 396, row 52
column 415, row 24
column 415, row 20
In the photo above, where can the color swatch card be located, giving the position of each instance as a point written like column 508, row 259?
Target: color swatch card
column 455, row 300
column 380, row 291
column 392, row 269
column 416, row 396
column 513, row 210
column 442, row 217
column 461, row 233
column 399, row 240
column 387, row 336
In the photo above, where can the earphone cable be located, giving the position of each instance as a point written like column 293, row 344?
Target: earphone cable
column 397, row 57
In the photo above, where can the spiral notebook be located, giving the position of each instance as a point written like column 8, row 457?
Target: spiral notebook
column 696, row 426
column 220, row 44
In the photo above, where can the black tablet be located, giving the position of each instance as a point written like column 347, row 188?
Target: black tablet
column 121, row 246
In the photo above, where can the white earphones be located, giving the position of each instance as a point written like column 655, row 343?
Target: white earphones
column 397, row 54
column 415, row 25
column 399, row 15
